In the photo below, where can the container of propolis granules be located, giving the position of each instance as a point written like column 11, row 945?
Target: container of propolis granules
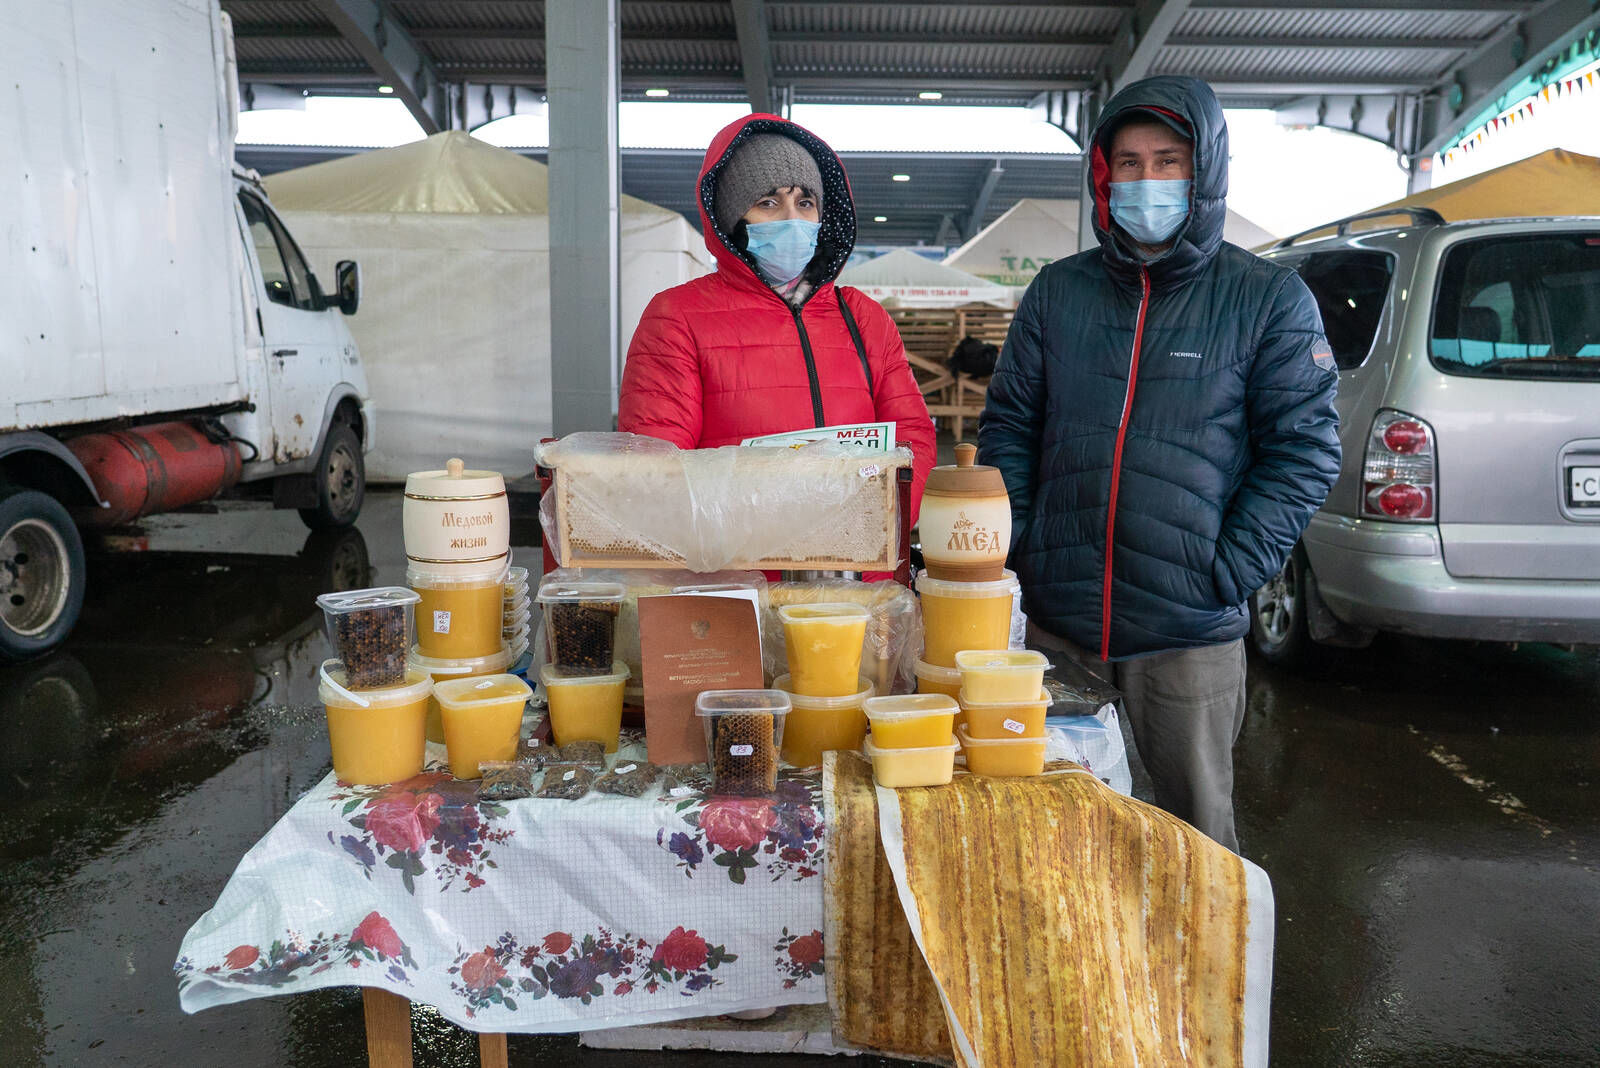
column 371, row 633
column 744, row 733
column 580, row 620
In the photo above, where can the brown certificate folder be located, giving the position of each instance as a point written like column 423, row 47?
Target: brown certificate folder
column 690, row 644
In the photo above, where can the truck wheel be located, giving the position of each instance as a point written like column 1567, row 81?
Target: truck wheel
column 41, row 573
column 341, row 481
column 1278, row 614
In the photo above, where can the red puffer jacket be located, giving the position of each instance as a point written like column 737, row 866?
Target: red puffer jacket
column 724, row 357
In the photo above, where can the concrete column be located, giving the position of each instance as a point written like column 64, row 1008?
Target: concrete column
column 581, row 50
column 1088, row 117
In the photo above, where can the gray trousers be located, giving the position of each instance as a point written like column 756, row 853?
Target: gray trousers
column 1186, row 707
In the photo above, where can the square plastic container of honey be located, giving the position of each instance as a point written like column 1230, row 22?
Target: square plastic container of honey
column 1001, row 674
column 744, row 735
column 911, row 721
column 923, row 765
column 1003, row 756
column 371, row 632
column 1006, row 719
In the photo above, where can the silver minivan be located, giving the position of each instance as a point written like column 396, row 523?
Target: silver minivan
column 1468, row 504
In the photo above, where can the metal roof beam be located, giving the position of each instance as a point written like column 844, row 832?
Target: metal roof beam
column 755, row 52
column 1408, row 6
column 1440, row 44
column 394, row 56
column 1009, row 40
column 1484, row 78
column 980, row 199
column 1143, row 32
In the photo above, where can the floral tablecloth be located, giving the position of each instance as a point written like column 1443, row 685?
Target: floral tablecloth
column 530, row 915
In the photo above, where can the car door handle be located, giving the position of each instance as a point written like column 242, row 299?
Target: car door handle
column 286, row 352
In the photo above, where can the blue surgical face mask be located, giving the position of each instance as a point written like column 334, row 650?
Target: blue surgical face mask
column 782, row 248
column 1150, row 210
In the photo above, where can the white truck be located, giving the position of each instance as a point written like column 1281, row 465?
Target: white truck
column 161, row 337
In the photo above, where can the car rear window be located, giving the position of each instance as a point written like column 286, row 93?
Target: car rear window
column 1526, row 306
column 1351, row 287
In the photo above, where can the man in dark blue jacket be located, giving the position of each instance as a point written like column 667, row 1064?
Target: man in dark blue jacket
column 1163, row 416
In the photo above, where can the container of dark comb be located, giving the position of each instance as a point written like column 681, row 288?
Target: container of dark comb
column 371, row 631
column 580, row 620
column 744, row 732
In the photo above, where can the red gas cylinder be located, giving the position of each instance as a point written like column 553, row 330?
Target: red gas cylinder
column 156, row 468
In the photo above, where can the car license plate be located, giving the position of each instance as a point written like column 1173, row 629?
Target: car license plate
column 1583, row 487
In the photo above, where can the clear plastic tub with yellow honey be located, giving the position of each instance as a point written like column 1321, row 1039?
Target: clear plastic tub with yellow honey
column 585, row 708
column 1006, row 719
column 817, row 725
column 441, row 670
column 1001, row 674
column 964, row 615
column 923, row 765
column 1003, row 756
column 376, row 736
column 458, row 614
column 482, row 720
column 823, row 645
column 910, row 721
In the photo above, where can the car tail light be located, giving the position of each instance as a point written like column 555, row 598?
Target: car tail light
column 1397, row 475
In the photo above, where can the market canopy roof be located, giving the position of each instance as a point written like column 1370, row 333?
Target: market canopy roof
column 1556, row 182
column 908, row 279
column 448, row 173
column 1011, row 250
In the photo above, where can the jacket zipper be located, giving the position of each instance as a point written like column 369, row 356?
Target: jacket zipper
column 811, row 368
column 1116, row 462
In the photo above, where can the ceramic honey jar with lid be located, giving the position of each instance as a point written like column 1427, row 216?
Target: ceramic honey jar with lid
column 966, row 520
column 457, row 520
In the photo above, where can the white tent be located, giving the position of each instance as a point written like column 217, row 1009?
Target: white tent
column 904, row 279
column 453, row 239
column 1011, row 250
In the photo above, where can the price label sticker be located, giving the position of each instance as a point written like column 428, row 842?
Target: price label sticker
column 870, row 471
column 569, row 776
column 1013, row 726
column 742, row 750
column 441, row 622
column 627, row 768
column 681, row 791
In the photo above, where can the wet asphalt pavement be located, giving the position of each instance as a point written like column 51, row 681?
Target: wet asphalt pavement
column 1429, row 813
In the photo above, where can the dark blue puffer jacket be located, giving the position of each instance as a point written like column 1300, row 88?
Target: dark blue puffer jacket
column 1166, row 427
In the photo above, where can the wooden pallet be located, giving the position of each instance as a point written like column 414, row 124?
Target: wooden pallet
column 930, row 335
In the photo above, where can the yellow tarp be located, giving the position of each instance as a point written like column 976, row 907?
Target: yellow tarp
column 1556, row 182
column 1060, row 923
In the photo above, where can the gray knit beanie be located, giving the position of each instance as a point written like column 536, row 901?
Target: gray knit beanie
column 764, row 162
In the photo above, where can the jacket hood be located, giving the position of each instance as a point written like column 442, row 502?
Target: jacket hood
column 1193, row 105
column 836, row 237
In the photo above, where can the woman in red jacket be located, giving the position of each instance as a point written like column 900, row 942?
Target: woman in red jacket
column 767, row 343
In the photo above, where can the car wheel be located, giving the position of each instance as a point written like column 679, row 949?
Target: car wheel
column 341, row 478
column 1278, row 614
column 41, row 573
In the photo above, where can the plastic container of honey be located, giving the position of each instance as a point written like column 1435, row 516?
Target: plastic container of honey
column 516, row 582
column 1001, row 674
column 581, row 621
column 911, row 721
column 744, row 733
column 931, row 678
column 823, row 644
column 923, row 765
column 1006, row 719
column 458, row 614
column 371, row 632
column 1003, row 756
column 964, row 615
column 585, row 708
column 482, row 720
column 445, row 670
column 376, row 736
column 819, row 724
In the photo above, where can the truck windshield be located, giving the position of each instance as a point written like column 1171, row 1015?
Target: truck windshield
column 1520, row 307
column 1351, row 287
